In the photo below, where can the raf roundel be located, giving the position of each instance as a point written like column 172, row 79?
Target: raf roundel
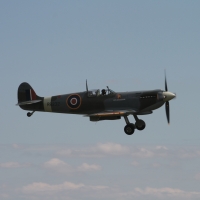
column 73, row 101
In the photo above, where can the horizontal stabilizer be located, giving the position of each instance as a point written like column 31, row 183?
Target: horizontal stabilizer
column 28, row 102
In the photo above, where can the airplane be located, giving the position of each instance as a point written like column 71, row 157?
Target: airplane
column 98, row 106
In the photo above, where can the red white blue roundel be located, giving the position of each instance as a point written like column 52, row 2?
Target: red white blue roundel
column 74, row 101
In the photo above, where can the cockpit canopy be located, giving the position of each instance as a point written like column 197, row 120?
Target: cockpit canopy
column 93, row 93
column 96, row 92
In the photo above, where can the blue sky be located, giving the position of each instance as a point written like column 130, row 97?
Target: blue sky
column 55, row 46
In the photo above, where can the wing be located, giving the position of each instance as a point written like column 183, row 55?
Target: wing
column 110, row 113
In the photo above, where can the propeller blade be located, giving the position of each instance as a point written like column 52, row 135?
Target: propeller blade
column 166, row 89
column 86, row 86
column 167, row 110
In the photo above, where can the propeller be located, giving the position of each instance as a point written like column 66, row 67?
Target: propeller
column 168, row 96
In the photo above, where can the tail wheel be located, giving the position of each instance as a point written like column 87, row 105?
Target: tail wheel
column 29, row 114
column 129, row 129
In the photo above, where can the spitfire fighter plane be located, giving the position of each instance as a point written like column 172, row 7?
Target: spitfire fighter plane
column 99, row 105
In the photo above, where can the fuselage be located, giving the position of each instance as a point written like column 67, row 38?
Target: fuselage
column 82, row 103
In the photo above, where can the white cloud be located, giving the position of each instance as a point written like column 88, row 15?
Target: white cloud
column 13, row 165
column 161, row 148
column 44, row 187
column 40, row 187
column 115, row 149
column 161, row 193
column 58, row 165
column 143, row 153
column 113, row 158
column 112, row 149
column 60, row 190
column 87, row 167
column 55, row 163
column 63, row 167
column 99, row 150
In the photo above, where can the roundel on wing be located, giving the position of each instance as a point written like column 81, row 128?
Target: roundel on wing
column 73, row 101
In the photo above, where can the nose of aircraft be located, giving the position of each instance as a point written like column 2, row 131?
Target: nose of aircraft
column 168, row 96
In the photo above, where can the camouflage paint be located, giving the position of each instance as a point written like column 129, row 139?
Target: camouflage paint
column 139, row 102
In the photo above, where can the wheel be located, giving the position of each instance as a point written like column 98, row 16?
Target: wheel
column 129, row 129
column 29, row 114
column 140, row 125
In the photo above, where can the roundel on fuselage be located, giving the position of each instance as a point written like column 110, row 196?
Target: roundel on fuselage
column 73, row 101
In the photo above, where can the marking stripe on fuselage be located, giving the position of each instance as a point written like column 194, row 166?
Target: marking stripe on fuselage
column 47, row 104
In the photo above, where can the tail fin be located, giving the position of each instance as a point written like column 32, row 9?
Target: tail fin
column 27, row 95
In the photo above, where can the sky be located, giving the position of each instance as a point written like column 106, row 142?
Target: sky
column 55, row 46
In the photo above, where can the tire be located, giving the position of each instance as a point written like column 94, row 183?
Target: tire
column 129, row 129
column 140, row 125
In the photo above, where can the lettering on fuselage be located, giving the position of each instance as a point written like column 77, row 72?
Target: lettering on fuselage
column 47, row 105
column 53, row 103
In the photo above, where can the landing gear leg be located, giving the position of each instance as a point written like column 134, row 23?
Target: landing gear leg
column 129, row 128
column 29, row 114
column 140, row 124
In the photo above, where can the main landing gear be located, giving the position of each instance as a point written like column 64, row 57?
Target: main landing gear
column 130, row 127
column 29, row 114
